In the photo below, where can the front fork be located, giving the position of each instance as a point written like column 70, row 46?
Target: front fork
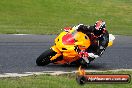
column 54, row 48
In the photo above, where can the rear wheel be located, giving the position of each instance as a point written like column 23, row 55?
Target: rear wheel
column 83, row 63
column 44, row 58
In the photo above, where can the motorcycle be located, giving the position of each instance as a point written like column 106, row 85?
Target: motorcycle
column 65, row 50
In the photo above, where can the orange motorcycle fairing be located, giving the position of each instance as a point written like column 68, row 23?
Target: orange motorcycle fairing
column 65, row 45
column 54, row 48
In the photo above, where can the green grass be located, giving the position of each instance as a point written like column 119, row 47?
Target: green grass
column 49, row 16
column 62, row 81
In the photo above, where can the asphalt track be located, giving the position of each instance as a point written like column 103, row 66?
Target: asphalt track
column 18, row 54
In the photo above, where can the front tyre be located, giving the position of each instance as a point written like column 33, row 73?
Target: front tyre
column 44, row 58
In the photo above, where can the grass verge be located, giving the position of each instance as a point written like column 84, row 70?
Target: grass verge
column 49, row 16
column 61, row 81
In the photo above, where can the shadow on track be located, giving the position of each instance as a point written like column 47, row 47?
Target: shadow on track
column 67, row 68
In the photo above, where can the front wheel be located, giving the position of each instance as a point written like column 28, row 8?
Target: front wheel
column 44, row 58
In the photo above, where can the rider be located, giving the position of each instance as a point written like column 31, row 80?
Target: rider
column 99, row 38
column 98, row 35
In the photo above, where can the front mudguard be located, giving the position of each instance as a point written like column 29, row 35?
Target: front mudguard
column 54, row 48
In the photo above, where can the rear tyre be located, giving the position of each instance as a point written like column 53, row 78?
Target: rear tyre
column 83, row 63
column 44, row 58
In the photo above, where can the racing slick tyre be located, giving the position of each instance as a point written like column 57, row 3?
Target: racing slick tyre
column 44, row 58
column 83, row 63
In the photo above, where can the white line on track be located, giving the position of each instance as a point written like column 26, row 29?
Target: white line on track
column 54, row 72
column 21, row 34
column 35, row 34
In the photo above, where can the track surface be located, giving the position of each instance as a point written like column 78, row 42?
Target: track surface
column 18, row 54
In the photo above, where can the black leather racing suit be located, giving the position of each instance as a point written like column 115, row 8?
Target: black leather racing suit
column 99, row 39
